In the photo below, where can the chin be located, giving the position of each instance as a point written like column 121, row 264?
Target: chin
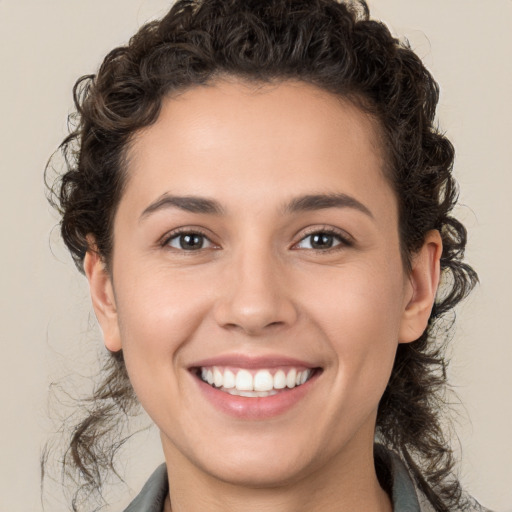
column 251, row 461
column 264, row 471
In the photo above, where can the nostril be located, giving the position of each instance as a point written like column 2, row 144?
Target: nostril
column 252, row 329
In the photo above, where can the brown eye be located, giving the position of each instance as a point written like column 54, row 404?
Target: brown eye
column 189, row 242
column 321, row 240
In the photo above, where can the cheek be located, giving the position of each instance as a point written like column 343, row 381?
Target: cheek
column 360, row 314
column 160, row 302
column 158, row 313
column 360, row 302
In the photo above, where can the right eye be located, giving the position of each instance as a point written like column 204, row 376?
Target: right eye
column 189, row 241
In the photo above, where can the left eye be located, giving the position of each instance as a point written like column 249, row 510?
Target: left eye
column 189, row 242
column 320, row 241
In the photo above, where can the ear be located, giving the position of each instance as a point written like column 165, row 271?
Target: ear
column 103, row 299
column 423, row 280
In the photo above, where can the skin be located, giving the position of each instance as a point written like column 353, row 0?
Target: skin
column 257, row 287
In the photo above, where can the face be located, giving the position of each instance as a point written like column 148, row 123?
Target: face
column 257, row 289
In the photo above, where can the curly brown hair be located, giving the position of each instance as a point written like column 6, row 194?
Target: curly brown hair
column 338, row 48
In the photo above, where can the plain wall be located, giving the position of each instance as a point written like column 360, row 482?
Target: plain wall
column 47, row 328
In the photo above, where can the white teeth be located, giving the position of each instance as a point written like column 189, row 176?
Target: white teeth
column 217, row 378
column 244, row 381
column 279, row 380
column 290, row 378
column 229, row 379
column 252, row 393
column 263, row 383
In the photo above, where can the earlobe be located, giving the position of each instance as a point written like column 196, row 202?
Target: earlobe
column 424, row 281
column 103, row 299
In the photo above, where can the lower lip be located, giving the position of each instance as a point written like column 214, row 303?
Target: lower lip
column 255, row 408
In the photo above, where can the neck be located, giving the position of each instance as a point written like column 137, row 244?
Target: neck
column 344, row 484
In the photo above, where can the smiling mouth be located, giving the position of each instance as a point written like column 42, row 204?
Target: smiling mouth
column 254, row 382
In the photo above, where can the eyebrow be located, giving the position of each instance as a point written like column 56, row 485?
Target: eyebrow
column 311, row 202
column 323, row 201
column 192, row 204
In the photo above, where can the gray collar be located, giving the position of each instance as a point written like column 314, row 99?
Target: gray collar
column 400, row 485
column 153, row 494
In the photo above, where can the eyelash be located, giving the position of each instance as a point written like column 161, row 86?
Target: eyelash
column 343, row 239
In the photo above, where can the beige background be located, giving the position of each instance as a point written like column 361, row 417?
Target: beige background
column 47, row 330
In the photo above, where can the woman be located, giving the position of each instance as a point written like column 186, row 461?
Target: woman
column 261, row 203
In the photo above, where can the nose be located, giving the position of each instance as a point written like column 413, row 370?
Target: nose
column 256, row 296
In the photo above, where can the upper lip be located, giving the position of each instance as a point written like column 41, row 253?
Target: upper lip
column 245, row 361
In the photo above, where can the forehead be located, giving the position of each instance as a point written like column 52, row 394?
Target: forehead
column 241, row 140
